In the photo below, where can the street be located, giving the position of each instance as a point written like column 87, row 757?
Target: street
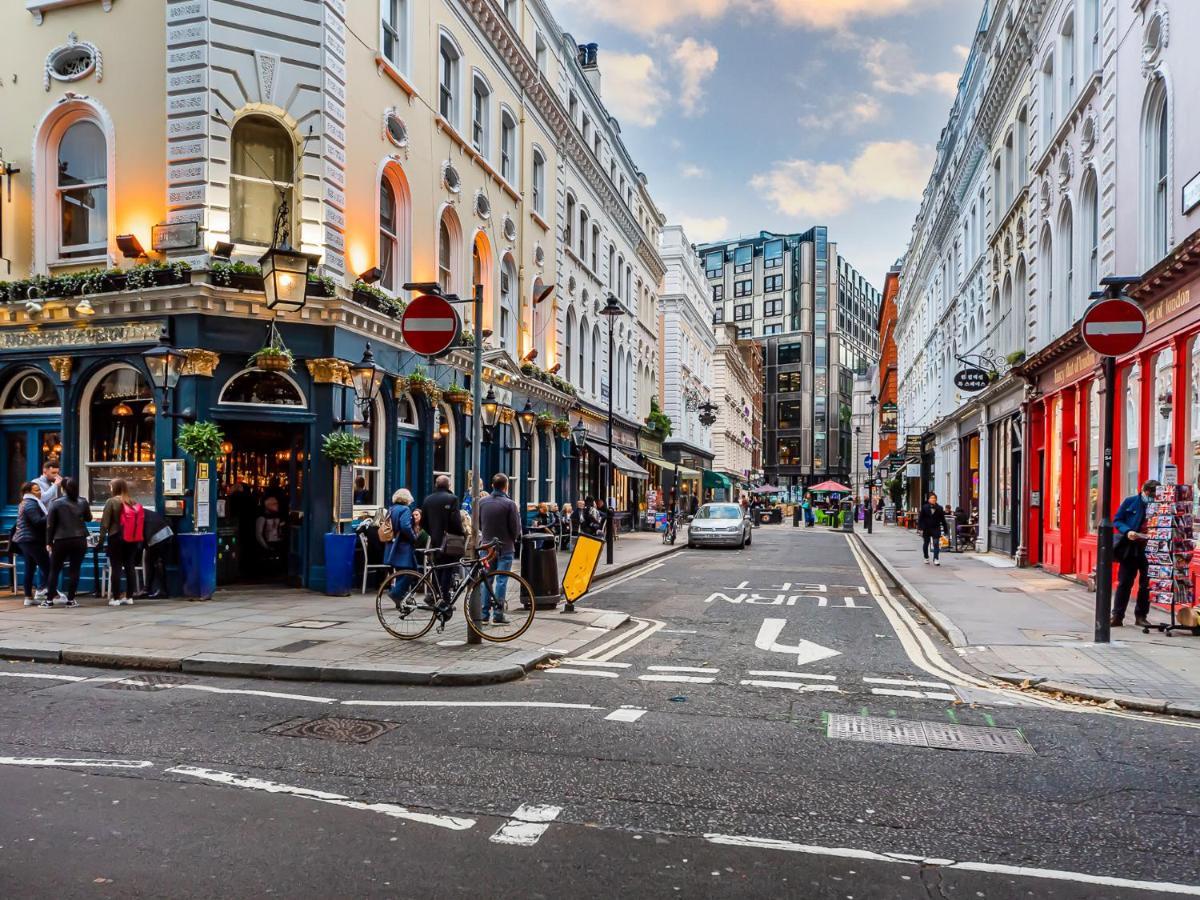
column 687, row 754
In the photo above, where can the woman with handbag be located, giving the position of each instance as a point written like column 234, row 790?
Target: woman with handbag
column 400, row 553
column 29, row 537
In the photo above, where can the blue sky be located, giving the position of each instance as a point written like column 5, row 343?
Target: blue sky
column 782, row 114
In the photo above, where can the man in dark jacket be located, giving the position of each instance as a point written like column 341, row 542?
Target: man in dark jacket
column 439, row 517
column 932, row 523
column 1130, row 552
column 499, row 520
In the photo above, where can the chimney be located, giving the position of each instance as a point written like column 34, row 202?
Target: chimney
column 588, row 61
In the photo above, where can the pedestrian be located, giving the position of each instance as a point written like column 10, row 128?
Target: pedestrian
column 123, row 525
column 270, row 533
column 542, row 520
column 499, row 520
column 50, row 481
column 1130, row 553
column 29, row 537
column 932, row 523
column 159, row 538
column 810, row 517
column 589, row 522
column 440, row 516
column 66, row 538
column 401, row 552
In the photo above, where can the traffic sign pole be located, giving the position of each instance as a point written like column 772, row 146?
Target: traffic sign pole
column 1104, row 540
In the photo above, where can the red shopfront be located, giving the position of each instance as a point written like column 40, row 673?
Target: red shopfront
column 1157, row 419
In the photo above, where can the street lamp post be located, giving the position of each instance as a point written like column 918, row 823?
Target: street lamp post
column 612, row 308
column 857, row 477
column 579, row 440
column 874, row 402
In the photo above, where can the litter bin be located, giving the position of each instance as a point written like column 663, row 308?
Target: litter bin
column 539, row 566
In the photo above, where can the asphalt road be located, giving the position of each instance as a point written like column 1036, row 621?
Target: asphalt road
column 688, row 755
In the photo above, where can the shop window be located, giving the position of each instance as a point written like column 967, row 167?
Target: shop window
column 1053, row 494
column 1194, row 417
column 1000, row 503
column 1163, row 410
column 368, row 468
column 1130, row 427
column 1093, row 457
column 262, row 174
column 118, row 435
column 789, row 414
column 258, row 388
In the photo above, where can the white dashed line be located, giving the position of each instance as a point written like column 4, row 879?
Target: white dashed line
column 526, row 826
column 906, row 683
column 919, row 695
column 592, row 672
column 625, row 714
column 57, row 762
column 795, row 686
column 594, row 664
column 770, row 673
column 700, row 669
column 499, row 704
column 677, row 679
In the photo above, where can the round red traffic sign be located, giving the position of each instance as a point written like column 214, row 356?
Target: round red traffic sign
column 1113, row 327
column 430, row 325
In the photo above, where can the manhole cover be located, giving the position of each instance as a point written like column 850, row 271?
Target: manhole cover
column 935, row 735
column 313, row 623
column 334, row 728
column 151, row 681
column 296, row 646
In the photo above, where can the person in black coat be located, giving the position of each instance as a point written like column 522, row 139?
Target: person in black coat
column 440, row 516
column 931, row 521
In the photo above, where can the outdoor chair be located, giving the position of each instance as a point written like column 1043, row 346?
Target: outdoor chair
column 367, row 564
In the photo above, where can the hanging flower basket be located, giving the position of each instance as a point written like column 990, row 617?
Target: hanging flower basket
column 545, row 421
column 273, row 356
column 417, row 383
column 562, row 428
column 457, row 395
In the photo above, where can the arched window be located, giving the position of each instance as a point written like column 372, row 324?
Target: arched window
column 483, row 265
column 1020, row 308
column 539, row 182
column 254, row 387
column 508, row 306
column 1066, row 53
column 1156, row 175
column 612, row 266
column 543, row 321
column 481, row 115
column 262, row 174
column 584, row 221
column 1091, row 233
column 1066, row 270
column 585, row 341
column 449, row 64
column 82, row 191
column 1010, row 170
column 508, row 147
column 29, row 392
column 1022, row 149
column 117, row 434
column 1004, row 336
column 620, row 277
column 1045, row 281
column 449, row 251
column 395, row 216
column 596, row 250
column 569, row 221
column 393, row 39
column 569, row 347
column 406, row 413
column 1048, row 100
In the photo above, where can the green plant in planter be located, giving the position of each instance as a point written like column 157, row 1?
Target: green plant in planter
column 277, row 359
column 1016, row 357
column 201, row 440
column 341, row 448
column 466, row 339
column 658, row 420
column 222, row 273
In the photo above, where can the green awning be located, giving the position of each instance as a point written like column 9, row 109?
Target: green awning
column 713, row 479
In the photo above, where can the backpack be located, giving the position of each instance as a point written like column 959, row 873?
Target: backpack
column 386, row 532
column 133, row 523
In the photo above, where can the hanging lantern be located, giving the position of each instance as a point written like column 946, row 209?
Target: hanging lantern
column 122, row 410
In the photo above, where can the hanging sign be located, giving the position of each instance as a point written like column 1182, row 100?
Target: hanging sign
column 972, row 380
column 430, row 325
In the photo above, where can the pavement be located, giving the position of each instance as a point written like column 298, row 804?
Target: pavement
column 1026, row 626
column 302, row 635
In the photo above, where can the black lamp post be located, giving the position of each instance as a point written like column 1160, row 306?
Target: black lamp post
column 165, row 365
column 873, row 402
column 366, row 377
column 857, row 477
column 612, row 308
column 526, row 420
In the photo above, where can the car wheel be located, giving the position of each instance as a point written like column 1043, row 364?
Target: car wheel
column 691, row 546
column 742, row 545
column 749, row 539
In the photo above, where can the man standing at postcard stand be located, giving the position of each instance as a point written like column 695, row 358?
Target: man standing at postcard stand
column 1130, row 553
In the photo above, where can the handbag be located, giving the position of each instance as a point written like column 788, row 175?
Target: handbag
column 454, row 546
column 386, row 532
column 1124, row 550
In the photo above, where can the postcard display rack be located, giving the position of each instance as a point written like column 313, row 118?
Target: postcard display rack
column 1169, row 550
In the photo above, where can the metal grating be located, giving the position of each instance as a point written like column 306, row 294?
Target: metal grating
column 334, row 728
column 934, row 735
column 296, row 646
column 1009, row 590
column 313, row 623
column 150, row 681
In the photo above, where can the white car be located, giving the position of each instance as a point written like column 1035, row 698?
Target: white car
column 719, row 525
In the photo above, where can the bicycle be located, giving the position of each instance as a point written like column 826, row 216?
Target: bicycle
column 671, row 531
column 420, row 605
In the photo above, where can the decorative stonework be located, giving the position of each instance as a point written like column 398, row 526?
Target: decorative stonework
column 73, row 61
column 329, row 370
column 62, row 366
column 1154, row 41
column 200, row 362
column 267, row 65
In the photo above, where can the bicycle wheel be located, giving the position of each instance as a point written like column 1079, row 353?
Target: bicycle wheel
column 410, row 616
column 510, row 595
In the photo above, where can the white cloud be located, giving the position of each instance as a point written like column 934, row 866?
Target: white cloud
column 691, row 170
column 894, row 71
column 633, row 87
column 845, row 112
column 648, row 16
column 702, row 230
column 884, row 170
column 651, row 16
column 962, row 51
column 839, row 13
column 695, row 61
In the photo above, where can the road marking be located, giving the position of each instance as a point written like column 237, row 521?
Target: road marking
column 500, row 704
column 769, row 673
column 209, row 689
column 592, row 664
column 902, row 681
column 799, row 686
column 526, row 826
column 919, row 695
column 594, row 673
column 677, row 679
column 647, row 628
column 625, row 714
column 908, row 859
column 58, row 762
column 230, row 779
column 46, row 677
column 701, row 669
column 617, row 582
column 678, row 631
column 805, row 651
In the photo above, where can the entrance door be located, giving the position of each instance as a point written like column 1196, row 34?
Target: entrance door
column 261, row 522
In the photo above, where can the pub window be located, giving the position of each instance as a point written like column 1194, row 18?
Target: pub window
column 119, row 435
column 82, row 191
column 368, row 468
column 262, row 174
column 255, row 387
column 1132, row 392
column 1093, row 457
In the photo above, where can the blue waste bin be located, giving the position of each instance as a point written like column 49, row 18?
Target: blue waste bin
column 339, row 563
column 198, row 564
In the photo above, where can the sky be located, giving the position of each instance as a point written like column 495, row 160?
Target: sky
column 778, row 115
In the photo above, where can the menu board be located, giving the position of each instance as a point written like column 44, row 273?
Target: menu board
column 343, row 500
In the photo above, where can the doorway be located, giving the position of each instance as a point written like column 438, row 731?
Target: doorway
column 260, row 508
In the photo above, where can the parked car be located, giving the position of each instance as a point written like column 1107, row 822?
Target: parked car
column 719, row 525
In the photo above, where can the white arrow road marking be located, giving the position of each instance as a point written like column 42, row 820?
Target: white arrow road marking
column 527, row 825
column 625, row 714
column 806, row 651
column 454, row 823
column 58, row 762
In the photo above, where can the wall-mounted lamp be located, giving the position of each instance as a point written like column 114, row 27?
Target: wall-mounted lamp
column 371, row 276
column 553, row 370
column 130, row 246
column 544, row 295
column 222, row 251
column 529, row 357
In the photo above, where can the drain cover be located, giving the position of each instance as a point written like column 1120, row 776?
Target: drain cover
column 935, row 735
column 334, row 728
column 151, row 681
column 1008, row 590
column 296, row 646
column 313, row 623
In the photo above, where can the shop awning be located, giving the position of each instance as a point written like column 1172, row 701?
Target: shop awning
column 661, row 463
column 713, row 479
column 621, row 462
column 685, row 472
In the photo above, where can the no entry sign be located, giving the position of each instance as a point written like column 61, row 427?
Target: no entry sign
column 430, row 325
column 1113, row 327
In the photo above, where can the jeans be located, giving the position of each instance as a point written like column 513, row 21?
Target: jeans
column 1127, row 571
column 494, row 599
column 936, row 541
column 399, row 588
column 36, row 557
column 67, row 550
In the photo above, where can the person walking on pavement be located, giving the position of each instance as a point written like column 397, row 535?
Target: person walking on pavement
column 29, row 537
column 440, row 517
column 1130, row 553
column 66, row 538
column 401, row 552
column 932, row 523
column 50, row 481
column 499, row 520
column 122, row 524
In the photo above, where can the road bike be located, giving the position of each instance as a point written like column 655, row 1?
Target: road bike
column 419, row 602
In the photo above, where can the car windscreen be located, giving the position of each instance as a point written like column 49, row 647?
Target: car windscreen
column 725, row 511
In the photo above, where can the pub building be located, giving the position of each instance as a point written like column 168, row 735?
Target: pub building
column 1156, row 418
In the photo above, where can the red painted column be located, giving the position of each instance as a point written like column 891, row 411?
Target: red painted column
column 1068, row 485
column 1146, row 411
